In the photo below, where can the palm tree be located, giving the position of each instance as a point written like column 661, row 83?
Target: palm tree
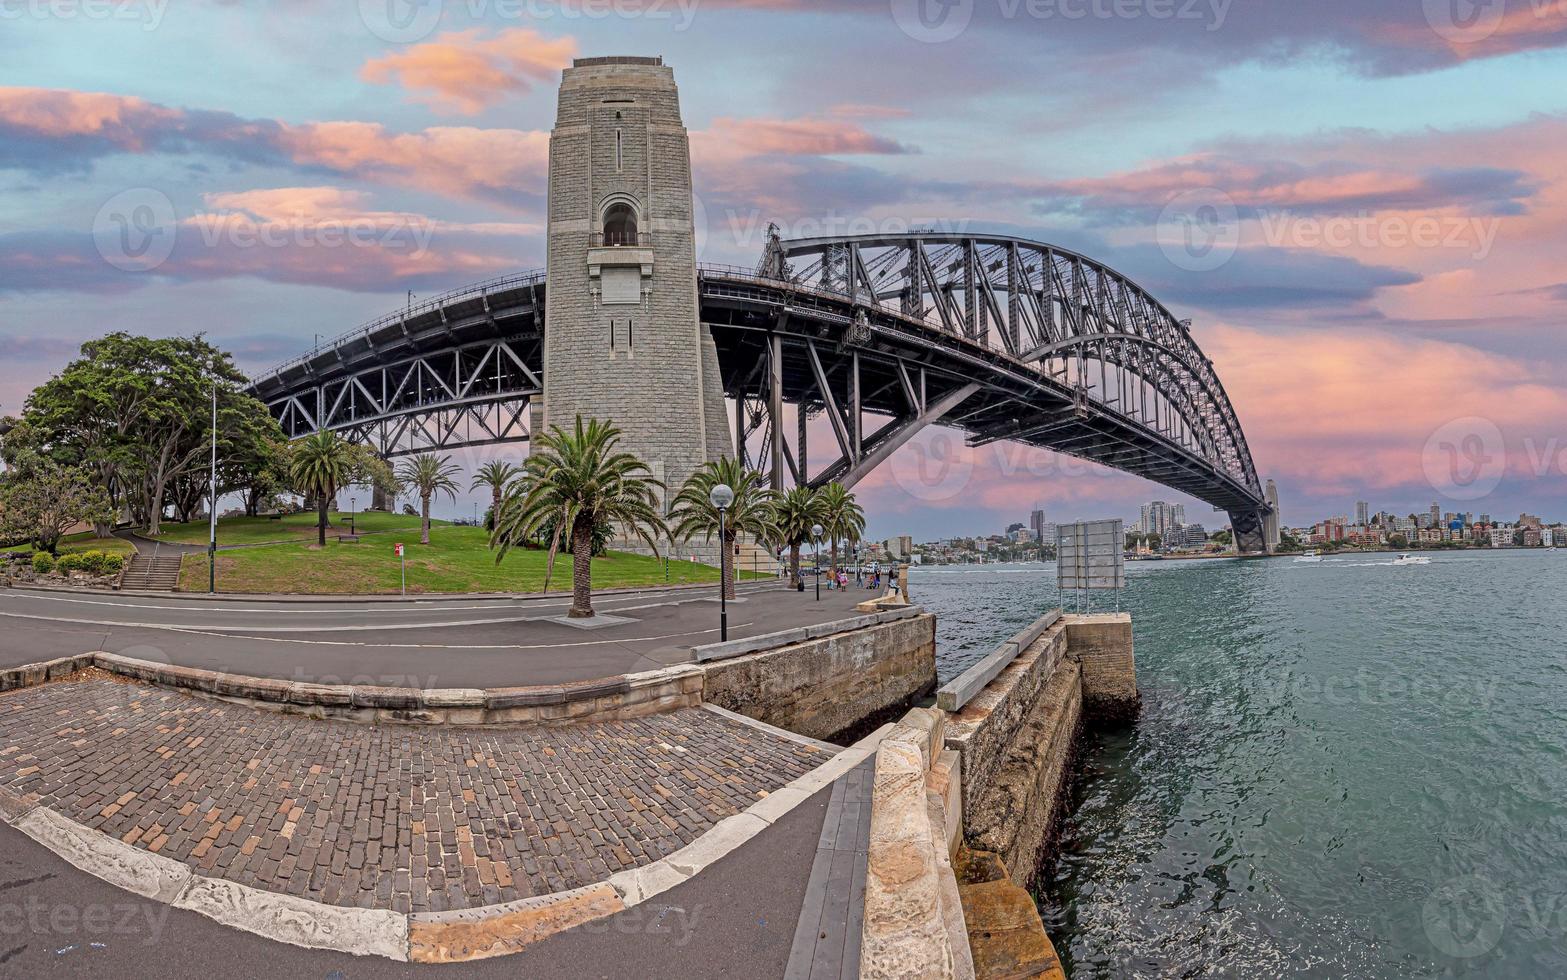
column 428, row 474
column 842, row 517
column 579, row 482
column 793, row 514
column 321, row 463
column 497, row 476
column 750, row 513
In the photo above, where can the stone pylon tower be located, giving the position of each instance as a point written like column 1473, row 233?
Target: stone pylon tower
column 623, row 336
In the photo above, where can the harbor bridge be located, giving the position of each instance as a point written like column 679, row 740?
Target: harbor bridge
column 999, row 337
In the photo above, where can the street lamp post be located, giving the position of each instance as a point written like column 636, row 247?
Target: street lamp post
column 212, row 506
column 816, row 540
column 353, row 512
column 721, row 497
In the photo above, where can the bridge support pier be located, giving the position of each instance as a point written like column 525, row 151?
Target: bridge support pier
column 1250, row 532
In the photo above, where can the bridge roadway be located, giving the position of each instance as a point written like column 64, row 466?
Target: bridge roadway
column 460, row 642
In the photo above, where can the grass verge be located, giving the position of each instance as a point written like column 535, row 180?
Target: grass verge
column 458, row 559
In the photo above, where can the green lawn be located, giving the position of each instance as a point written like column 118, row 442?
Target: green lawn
column 85, row 542
column 293, row 527
column 458, row 559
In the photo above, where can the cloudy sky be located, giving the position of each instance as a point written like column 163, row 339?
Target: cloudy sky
column 1383, row 187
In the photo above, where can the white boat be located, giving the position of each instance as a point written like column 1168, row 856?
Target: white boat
column 1406, row 559
column 1309, row 556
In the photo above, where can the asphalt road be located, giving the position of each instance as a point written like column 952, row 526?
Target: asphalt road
column 466, row 642
column 735, row 919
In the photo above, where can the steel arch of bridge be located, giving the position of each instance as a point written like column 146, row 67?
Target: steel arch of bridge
column 1002, row 338
column 1072, row 320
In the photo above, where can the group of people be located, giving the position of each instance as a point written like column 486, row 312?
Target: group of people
column 838, row 578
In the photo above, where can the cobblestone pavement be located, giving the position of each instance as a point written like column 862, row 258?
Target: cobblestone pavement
column 411, row 819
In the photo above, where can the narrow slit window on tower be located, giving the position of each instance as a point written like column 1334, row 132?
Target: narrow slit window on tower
column 620, row 225
column 619, row 151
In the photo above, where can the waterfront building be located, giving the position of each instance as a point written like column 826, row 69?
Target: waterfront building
column 1362, row 512
column 1036, row 522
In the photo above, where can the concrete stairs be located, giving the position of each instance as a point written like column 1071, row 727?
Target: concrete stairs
column 152, row 573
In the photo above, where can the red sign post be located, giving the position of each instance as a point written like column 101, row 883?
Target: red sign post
column 404, row 562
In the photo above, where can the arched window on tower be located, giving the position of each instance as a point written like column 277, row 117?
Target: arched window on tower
column 620, row 225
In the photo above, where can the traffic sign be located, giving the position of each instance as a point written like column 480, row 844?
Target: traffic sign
column 399, row 551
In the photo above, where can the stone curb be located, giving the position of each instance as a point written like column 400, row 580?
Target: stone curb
column 607, row 699
column 799, row 634
column 428, row 937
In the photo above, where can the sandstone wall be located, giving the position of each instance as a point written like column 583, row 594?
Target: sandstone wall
column 832, row 687
column 1018, row 737
column 1103, row 645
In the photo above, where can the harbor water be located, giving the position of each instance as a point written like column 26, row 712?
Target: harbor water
column 1341, row 769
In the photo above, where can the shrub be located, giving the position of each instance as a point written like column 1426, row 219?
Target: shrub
column 94, row 562
column 112, row 563
column 43, row 562
column 71, row 562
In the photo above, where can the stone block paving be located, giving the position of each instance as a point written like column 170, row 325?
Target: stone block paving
column 406, row 818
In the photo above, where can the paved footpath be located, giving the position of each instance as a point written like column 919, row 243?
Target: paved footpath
column 404, row 818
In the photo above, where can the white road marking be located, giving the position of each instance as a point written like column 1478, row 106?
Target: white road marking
column 398, row 646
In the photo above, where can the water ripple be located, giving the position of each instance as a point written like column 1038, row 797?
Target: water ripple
column 1341, row 770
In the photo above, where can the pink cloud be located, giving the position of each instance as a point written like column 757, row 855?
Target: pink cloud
column 730, row 138
column 459, row 160
column 466, row 72
column 62, row 128
column 1376, row 399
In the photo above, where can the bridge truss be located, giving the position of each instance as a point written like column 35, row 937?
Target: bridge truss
column 881, row 336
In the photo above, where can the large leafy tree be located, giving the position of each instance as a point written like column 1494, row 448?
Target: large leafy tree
column 692, row 511
column 428, row 475
column 321, row 465
column 497, row 475
column 136, row 411
column 842, row 517
column 579, row 479
column 794, row 514
column 41, row 499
